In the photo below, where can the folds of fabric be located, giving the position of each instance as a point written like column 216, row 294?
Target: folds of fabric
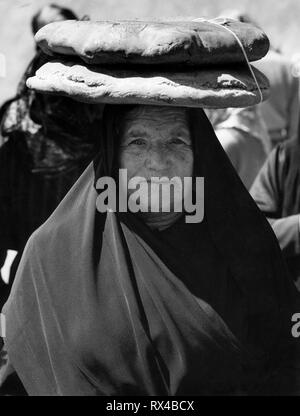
column 125, row 321
column 128, row 327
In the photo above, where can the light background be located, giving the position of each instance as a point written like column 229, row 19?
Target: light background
column 280, row 19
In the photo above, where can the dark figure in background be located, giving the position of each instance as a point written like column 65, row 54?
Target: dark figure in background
column 51, row 13
column 45, row 144
column 276, row 191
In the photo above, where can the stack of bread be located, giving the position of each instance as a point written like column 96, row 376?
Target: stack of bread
column 184, row 63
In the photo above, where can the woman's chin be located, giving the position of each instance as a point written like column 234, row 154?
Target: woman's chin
column 158, row 207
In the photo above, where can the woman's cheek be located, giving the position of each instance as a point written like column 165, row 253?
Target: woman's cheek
column 185, row 163
column 131, row 161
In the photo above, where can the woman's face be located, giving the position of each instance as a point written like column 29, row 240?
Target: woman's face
column 156, row 142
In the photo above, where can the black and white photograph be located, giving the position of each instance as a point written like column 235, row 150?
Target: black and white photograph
column 150, row 201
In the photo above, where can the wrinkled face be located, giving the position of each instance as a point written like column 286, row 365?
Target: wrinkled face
column 156, row 142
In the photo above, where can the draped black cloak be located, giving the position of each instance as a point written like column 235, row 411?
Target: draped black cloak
column 103, row 305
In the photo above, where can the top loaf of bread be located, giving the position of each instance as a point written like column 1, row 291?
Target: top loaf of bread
column 192, row 43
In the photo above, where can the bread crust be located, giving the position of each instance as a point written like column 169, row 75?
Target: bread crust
column 206, row 87
column 191, row 43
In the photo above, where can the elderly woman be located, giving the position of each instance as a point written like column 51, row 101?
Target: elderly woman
column 123, row 303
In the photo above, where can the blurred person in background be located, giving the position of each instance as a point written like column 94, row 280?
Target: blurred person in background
column 45, row 144
column 244, row 137
column 281, row 111
column 51, row 13
column 276, row 191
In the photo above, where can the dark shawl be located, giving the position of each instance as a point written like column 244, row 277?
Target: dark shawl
column 102, row 305
column 46, row 142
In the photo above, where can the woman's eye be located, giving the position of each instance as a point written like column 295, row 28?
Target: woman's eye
column 137, row 142
column 176, row 141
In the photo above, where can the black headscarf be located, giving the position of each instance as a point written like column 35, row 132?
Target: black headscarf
column 237, row 226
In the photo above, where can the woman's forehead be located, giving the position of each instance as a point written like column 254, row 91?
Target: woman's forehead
column 154, row 116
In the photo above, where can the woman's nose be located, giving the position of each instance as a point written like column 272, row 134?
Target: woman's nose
column 157, row 160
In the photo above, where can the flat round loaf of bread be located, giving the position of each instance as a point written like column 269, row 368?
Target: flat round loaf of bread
column 194, row 43
column 207, row 88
